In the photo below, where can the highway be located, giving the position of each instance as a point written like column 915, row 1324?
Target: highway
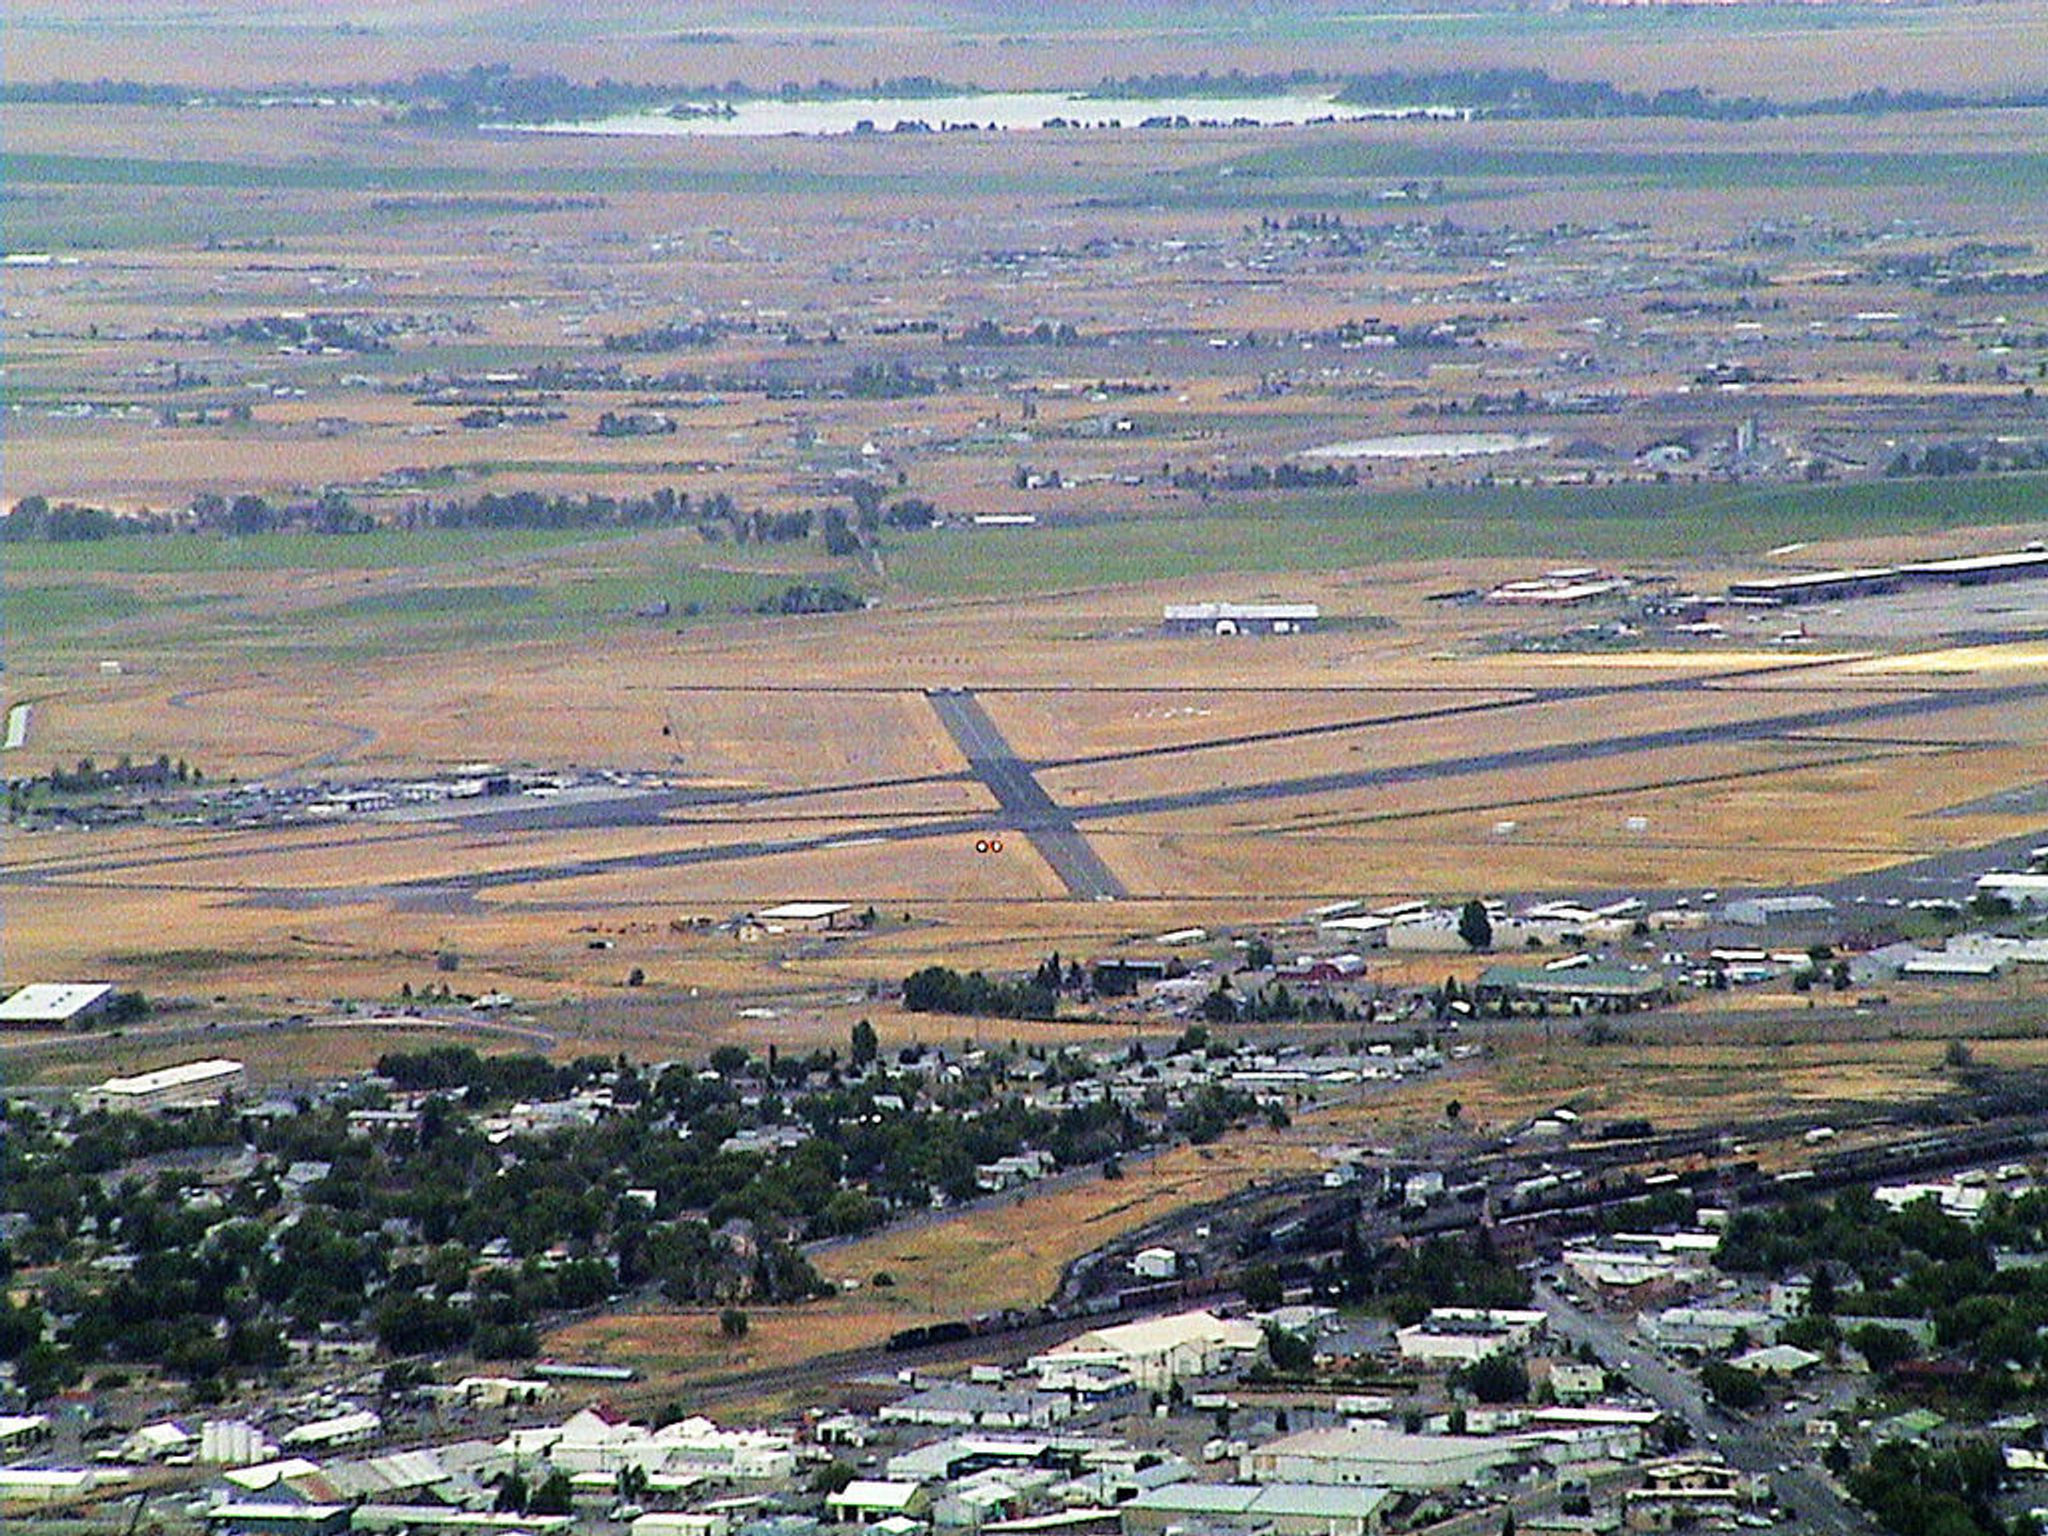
column 1751, row 1445
column 1025, row 803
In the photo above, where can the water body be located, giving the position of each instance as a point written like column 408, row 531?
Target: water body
column 994, row 110
column 1433, row 445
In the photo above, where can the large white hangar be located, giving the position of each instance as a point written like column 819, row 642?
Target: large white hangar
column 1241, row 618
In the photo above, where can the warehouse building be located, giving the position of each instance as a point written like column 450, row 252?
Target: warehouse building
column 190, row 1085
column 1286, row 1509
column 1161, row 1351
column 55, row 1004
column 2030, row 564
column 1578, row 988
column 1241, row 618
column 807, row 917
column 1778, row 911
column 2022, row 890
column 1366, row 1455
column 1463, row 1336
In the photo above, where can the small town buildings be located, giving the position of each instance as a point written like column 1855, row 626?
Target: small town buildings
column 51, row 1485
column 1572, row 1383
column 2022, row 890
column 187, row 1086
column 23, row 1429
column 1160, row 1351
column 1155, row 1264
column 55, row 1004
column 1777, row 1360
column 357, row 1428
column 1690, row 1492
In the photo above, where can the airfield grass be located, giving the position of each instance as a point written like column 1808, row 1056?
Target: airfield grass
column 62, row 592
column 1320, row 530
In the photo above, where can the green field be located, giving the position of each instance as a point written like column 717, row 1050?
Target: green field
column 1334, row 529
column 442, row 590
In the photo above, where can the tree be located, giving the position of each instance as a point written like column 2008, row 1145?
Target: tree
column 1261, row 1287
column 1290, row 1353
column 1731, row 1386
column 864, row 1045
column 732, row 1323
column 1474, row 926
column 1499, row 1378
column 555, row 1496
column 1883, row 1347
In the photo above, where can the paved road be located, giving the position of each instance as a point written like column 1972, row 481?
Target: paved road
column 1747, row 1444
column 1025, row 803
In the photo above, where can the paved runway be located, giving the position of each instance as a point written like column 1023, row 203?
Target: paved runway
column 1057, row 831
column 1031, row 810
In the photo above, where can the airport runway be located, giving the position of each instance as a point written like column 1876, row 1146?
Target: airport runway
column 1762, row 728
column 1026, row 807
column 1049, row 827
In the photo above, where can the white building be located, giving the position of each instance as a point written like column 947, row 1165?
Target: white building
column 2022, row 890
column 186, row 1086
column 1241, row 618
column 54, row 1004
column 1160, row 1351
column 345, row 1429
column 1155, row 1264
column 1463, row 1336
column 596, row 1440
column 1711, row 1329
column 233, row 1443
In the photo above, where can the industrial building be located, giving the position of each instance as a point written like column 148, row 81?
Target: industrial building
column 1368, row 1455
column 1579, row 988
column 2029, row 564
column 1286, row 1509
column 2022, row 890
column 807, row 917
column 1463, row 1336
column 1161, row 1351
column 55, row 1004
column 190, row 1085
column 1775, row 911
column 1241, row 618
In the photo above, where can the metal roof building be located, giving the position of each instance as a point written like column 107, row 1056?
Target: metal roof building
column 54, row 1004
column 1241, row 618
column 185, row 1086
